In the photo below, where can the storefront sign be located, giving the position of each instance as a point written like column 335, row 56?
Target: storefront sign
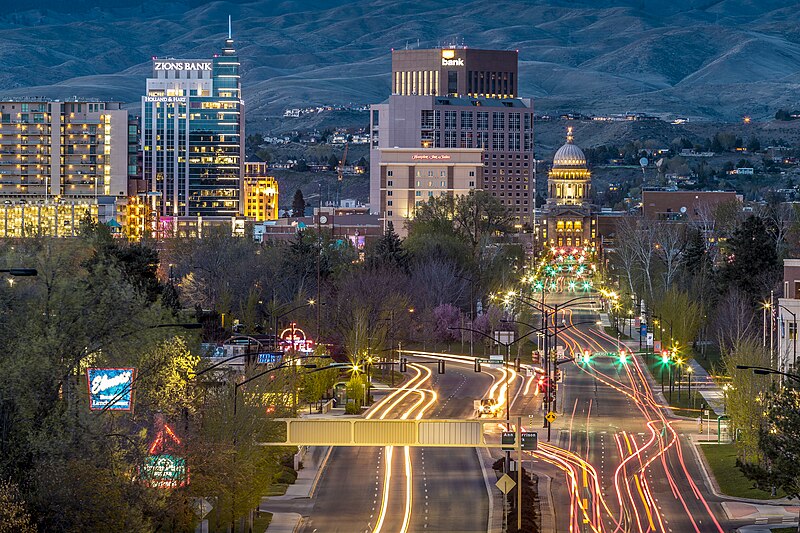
column 110, row 388
column 294, row 338
column 162, row 469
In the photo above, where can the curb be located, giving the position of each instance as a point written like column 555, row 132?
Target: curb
column 483, row 456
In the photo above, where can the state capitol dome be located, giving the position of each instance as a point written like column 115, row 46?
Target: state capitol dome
column 569, row 155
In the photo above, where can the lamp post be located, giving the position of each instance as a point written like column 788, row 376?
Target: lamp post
column 689, row 379
column 20, row 271
column 762, row 371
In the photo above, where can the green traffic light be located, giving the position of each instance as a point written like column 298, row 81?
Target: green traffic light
column 665, row 359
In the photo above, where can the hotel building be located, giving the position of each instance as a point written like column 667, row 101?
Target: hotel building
column 410, row 176
column 60, row 161
column 192, row 137
column 475, row 109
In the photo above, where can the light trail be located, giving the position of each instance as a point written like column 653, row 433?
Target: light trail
column 387, row 477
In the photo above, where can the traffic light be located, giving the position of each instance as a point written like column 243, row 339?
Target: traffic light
column 517, row 364
column 403, row 364
column 441, row 366
column 477, row 365
column 623, row 356
column 558, row 376
column 665, row 356
column 587, row 356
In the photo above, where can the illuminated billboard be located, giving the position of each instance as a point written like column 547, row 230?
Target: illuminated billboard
column 110, row 389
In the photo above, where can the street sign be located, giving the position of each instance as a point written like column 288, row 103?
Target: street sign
column 551, row 417
column 201, row 507
column 496, row 360
column 270, row 358
column 656, row 346
column 504, row 337
column 643, row 330
column 508, row 440
column 529, row 440
column 505, row 484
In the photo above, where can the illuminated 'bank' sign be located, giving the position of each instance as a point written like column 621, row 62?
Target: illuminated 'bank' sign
column 110, row 388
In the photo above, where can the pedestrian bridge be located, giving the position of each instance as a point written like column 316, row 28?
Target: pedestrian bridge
column 361, row 432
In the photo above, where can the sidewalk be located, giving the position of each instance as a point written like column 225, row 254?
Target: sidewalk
column 288, row 510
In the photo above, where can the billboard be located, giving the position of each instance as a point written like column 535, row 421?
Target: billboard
column 110, row 388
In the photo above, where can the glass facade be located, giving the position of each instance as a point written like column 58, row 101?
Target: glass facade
column 192, row 136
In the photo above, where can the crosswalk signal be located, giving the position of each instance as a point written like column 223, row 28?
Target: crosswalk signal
column 477, row 365
column 403, row 364
column 441, row 366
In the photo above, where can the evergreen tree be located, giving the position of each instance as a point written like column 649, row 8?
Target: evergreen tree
column 298, row 204
column 752, row 265
column 389, row 251
column 695, row 256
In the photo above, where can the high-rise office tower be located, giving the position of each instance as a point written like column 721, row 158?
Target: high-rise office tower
column 457, row 98
column 193, row 136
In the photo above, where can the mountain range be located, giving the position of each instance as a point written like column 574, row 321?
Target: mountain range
column 701, row 59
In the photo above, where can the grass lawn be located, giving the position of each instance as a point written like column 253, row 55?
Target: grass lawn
column 261, row 523
column 277, row 489
column 712, row 361
column 722, row 460
column 784, row 530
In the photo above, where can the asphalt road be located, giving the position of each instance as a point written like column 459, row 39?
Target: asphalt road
column 448, row 492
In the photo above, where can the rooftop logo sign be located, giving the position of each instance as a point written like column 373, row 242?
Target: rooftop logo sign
column 175, row 64
column 449, row 59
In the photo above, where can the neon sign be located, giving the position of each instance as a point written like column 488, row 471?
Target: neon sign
column 294, row 338
column 110, row 389
column 164, row 470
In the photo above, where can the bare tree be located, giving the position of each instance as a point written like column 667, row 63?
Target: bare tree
column 625, row 250
column 670, row 240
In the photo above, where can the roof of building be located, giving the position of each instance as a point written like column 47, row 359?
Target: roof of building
column 569, row 155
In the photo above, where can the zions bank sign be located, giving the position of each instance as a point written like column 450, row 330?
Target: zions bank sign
column 181, row 65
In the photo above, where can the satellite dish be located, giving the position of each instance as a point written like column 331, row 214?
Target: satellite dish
column 643, row 161
column 683, row 210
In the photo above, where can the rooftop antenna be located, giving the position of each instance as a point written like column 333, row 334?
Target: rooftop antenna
column 229, row 27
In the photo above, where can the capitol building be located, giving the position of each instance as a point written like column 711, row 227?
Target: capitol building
column 568, row 217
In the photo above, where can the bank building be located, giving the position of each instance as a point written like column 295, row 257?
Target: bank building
column 568, row 218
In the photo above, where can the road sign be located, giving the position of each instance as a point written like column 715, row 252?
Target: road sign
column 505, row 484
column 496, row 360
column 529, row 440
column 656, row 346
column 504, row 337
column 201, row 507
column 649, row 339
column 508, row 440
column 551, row 417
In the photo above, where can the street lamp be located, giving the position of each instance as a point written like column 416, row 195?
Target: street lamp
column 20, row 271
column 763, row 371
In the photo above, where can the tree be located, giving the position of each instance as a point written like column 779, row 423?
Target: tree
column 752, row 261
column 695, row 255
column 779, row 441
column 389, row 251
column 753, row 145
column 298, row 204
column 747, row 397
column 333, row 162
column 14, row 517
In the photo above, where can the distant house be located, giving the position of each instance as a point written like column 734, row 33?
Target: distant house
column 744, row 171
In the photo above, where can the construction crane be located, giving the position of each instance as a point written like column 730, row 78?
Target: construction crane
column 340, row 172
